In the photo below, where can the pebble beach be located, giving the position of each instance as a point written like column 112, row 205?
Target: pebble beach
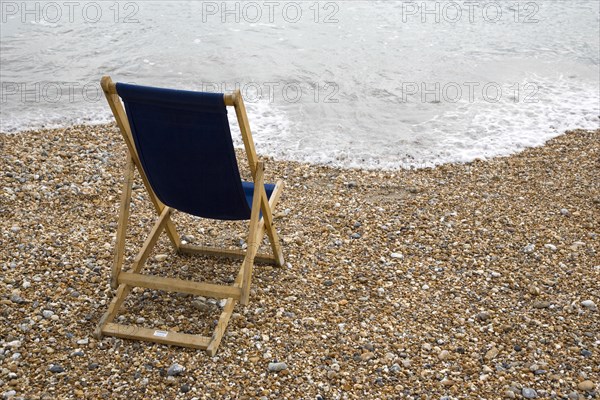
column 464, row 281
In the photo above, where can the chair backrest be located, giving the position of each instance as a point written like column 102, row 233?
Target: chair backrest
column 185, row 148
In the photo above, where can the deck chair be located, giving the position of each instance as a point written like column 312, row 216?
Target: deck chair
column 181, row 146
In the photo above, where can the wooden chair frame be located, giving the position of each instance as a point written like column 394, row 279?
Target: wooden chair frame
column 123, row 282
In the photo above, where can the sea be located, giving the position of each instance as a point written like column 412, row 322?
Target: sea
column 350, row 83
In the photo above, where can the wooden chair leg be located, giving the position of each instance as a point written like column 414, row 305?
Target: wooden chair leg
column 253, row 240
column 122, row 225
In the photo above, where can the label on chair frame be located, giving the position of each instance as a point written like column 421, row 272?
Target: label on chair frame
column 161, row 333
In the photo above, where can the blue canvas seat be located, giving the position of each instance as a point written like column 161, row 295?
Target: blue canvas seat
column 180, row 144
column 185, row 147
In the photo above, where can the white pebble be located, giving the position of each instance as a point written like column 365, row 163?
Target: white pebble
column 550, row 246
column 160, row 257
column 589, row 304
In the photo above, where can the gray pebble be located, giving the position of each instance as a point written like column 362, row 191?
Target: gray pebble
column 355, row 236
column 483, row 316
column 47, row 313
column 56, row 368
column 9, row 394
column 589, row 304
column 185, row 388
column 529, row 393
column 276, row 367
column 529, row 248
column 15, row 298
column 586, row 353
column 175, row 370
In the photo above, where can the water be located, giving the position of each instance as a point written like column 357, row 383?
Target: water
column 339, row 82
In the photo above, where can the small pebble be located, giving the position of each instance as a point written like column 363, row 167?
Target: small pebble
column 56, row 368
column 175, row 370
column 529, row 393
column 586, row 353
column 9, row 394
column 277, row 366
column 589, row 304
column 491, row 353
column 586, row 385
column 185, row 388
column 529, row 249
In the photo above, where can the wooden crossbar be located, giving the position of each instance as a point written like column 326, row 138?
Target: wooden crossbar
column 156, row 336
column 260, row 258
column 178, row 285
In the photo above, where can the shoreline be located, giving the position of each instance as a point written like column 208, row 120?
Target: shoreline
column 463, row 280
column 374, row 166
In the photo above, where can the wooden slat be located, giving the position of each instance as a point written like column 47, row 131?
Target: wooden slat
column 253, row 240
column 122, row 224
column 270, row 226
column 221, row 327
column 178, row 285
column 113, row 309
column 229, row 99
column 156, row 336
column 242, row 117
column 261, row 258
column 151, row 240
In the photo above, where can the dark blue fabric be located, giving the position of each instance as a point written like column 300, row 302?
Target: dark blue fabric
column 249, row 191
column 185, row 147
